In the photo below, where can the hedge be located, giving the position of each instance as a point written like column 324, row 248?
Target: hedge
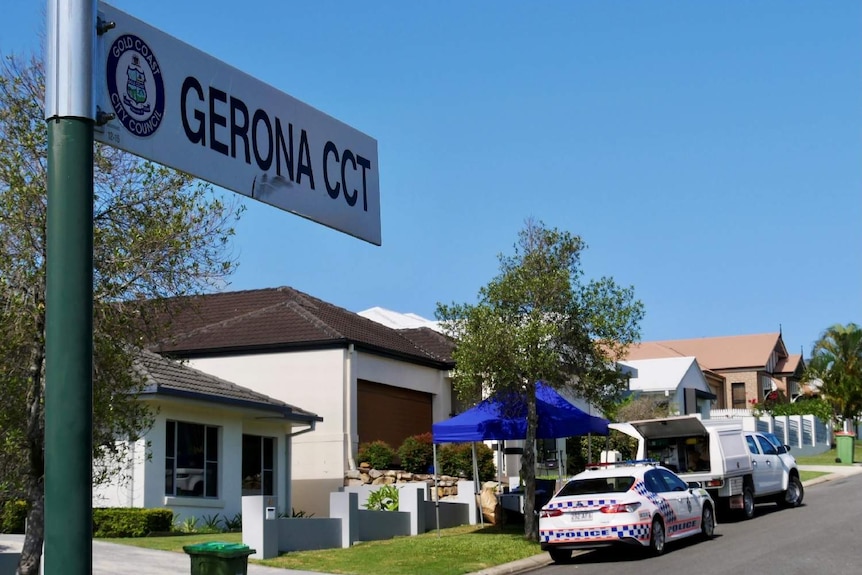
column 130, row 522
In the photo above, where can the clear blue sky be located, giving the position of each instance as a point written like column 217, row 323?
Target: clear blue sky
column 710, row 153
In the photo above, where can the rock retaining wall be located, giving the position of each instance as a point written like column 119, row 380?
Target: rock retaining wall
column 446, row 485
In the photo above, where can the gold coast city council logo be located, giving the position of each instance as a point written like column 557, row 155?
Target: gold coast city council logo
column 135, row 85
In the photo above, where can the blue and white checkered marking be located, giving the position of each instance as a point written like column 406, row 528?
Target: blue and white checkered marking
column 580, row 504
column 663, row 506
column 639, row 531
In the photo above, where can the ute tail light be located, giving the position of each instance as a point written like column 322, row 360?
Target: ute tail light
column 714, row 483
column 620, row 508
column 550, row 513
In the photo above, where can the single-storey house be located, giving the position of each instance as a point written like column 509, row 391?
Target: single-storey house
column 211, row 442
column 366, row 380
column 677, row 380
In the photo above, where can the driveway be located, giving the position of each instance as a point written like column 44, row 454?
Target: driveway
column 111, row 558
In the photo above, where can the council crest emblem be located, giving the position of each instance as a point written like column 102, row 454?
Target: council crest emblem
column 135, row 85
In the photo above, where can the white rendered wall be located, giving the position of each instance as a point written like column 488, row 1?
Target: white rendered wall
column 148, row 486
column 309, row 380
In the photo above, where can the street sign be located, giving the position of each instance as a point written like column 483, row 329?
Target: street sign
column 180, row 107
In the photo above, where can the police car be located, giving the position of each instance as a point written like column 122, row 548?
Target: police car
column 638, row 503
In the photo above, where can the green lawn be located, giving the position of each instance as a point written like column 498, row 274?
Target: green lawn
column 806, row 475
column 457, row 551
column 829, row 457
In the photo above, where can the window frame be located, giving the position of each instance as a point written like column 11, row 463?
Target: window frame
column 210, row 462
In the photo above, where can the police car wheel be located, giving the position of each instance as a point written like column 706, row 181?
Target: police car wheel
column 560, row 555
column 657, row 537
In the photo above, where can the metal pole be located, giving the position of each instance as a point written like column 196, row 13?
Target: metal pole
column 476, row 486
column 69, row 112
column 436, row 489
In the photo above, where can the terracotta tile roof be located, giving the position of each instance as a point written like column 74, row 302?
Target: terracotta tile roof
column 715, row 353
column 169, row 377
column 280, row 318
column 789, row 364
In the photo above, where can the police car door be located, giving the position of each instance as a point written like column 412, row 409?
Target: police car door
column 685, row 505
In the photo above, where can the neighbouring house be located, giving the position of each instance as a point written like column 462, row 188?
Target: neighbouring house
column 366, row 380
column 738, row 368
column 398, row 320
column 211, row 442
column 678, row 381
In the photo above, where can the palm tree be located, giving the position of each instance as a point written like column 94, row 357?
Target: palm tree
column 836, row 361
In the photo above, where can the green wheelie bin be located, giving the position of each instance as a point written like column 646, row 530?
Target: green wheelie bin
column 216, row 558
column 845, row 443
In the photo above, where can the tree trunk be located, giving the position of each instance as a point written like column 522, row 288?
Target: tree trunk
column 34, row 537
column 31, row 554
column 528, row 468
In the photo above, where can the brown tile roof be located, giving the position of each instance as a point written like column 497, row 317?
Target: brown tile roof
column 169, row 377
column 715, row 353
column 789, row 364
column 280, row 318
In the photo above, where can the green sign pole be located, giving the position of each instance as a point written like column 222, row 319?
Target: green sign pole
column 69, row 112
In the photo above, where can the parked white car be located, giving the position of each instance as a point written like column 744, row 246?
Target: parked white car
column 640, row 504
column 776, row 475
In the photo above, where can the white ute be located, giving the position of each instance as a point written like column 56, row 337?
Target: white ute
column 716, row 454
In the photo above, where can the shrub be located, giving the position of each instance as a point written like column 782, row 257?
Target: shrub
column 456, row 459
column 233, row 524
column 383, row 499
column 12, row 516
column 130, row 522
column 416, row 453
column 378, row 454
column 817, row 407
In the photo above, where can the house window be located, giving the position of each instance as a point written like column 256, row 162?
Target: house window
column 191, row 460
column 737, row 392
column 766, row 385
column 258, row 465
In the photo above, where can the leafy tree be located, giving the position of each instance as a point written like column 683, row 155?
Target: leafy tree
column 539, row 320
column 157, row 233
column 836, row 361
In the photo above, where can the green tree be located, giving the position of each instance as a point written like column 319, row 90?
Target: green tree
column 539, row 320
column 158, row 233
column 836, row 360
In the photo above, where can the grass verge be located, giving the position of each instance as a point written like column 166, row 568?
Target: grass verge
column 806, row 475
column 830, row 457
column 456, row 551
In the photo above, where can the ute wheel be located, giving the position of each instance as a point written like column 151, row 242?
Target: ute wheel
column 747, row 503
column 657, row 537
column 794, row 494
column 707, row 522
column 560, row 555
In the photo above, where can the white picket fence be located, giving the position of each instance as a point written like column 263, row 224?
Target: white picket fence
column 805, row 434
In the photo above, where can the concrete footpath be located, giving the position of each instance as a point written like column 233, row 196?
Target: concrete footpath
column 111, row 558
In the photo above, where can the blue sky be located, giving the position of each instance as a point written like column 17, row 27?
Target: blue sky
column 710, row 153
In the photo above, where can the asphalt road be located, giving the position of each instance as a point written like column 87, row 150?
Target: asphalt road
column 824, row 535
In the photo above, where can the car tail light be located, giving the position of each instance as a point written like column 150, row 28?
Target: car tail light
column 620, row 508
column 550, row 513
column 714, row 483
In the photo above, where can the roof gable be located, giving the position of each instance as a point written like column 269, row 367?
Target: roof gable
column 662, row 374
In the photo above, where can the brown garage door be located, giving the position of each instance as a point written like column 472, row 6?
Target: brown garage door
column 391, row 413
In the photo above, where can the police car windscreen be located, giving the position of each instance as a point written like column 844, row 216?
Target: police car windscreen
column 596, row 485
